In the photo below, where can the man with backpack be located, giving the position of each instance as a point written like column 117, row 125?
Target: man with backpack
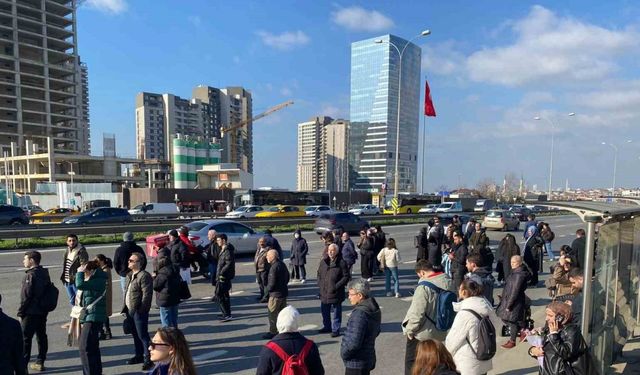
column 419, row 324
column 33, row 310
column 289, row 353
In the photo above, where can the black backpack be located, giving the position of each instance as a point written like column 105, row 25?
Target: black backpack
column 49, row 297
column 486, row 338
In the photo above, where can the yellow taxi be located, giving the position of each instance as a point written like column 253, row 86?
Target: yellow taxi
column 54, row 215
column 282, row 211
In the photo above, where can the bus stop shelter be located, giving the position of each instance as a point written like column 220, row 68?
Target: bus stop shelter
column 612, row 275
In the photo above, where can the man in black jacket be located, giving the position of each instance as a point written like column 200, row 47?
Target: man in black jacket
column 11, row 346
column 179, row 254
column 458, row 258
column 333, row 275
column 578, row 246
column 137, row 301
column 513, row 303
column 277, row 289
column 122, row 254
column 212, row 252
column 33, row 316
column 225, row 272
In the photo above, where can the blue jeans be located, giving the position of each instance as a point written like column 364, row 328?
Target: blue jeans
column 169, row 316
column 123, row 284
column 547, row 246
column 212, row 272
column 71, row 292
column 140, row 335
column 390, row 272
column 336, row 322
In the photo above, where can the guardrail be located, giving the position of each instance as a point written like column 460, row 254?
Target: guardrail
column 156, row 224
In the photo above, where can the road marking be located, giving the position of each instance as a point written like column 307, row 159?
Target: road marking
column 308, row 327
column 236, row 293
column 406, row 299
column 208, row 356
column 409, row 262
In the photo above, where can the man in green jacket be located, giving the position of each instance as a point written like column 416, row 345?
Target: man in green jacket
column 415, row 324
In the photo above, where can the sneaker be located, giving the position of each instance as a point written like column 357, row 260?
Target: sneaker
column 397, row 295
column 303, row 281
column 147, row 365
column 135, row 360
column 509, row 345
column 268, row 336
column 324, row 330
column 36, row 367
column 370, row 279
column 389, row 294
column 224, row 319
column 335, row 334
column 264, row 300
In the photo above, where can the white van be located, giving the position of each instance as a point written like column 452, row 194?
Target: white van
column 154, row 208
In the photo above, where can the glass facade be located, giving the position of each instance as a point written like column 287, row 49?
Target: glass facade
column 375, row 87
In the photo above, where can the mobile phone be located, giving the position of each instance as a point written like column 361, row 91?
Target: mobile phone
column 559, row 318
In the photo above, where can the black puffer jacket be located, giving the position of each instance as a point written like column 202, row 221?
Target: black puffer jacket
column 513, row 296
column 434, row 245
column 167, row 284
column 121, row 257
column 332, row 278
column 11, row 345
column 459, row 261
column 226, row 270
column 278, row 280
column 422, row 244
column 567, row 348
column 179, row 253
column 358, row 347
column 33, row 284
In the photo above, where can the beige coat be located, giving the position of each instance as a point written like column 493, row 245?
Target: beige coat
column 423, row 303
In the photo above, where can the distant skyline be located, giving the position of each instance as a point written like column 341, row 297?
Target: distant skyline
column 492, row 67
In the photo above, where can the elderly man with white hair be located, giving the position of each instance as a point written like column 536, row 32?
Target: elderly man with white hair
column 277, row 289
column 333, row 275
column 287, row 343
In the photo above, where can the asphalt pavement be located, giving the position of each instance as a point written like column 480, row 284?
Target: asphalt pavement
column 233, row 347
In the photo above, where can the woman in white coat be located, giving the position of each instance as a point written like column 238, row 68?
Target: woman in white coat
column 464, row 331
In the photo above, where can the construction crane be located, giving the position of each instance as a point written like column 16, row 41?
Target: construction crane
column 258, row 117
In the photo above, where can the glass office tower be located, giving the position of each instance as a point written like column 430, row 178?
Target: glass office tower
column 373, row 114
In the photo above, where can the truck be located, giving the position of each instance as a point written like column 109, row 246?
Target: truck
column 465, row 204
column 483, row 205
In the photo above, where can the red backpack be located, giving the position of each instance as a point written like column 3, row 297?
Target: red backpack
column 293, row 364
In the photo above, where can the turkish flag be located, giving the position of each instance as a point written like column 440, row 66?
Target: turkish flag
column 429, row 109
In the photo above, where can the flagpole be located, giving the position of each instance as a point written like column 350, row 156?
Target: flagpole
column 424, row 146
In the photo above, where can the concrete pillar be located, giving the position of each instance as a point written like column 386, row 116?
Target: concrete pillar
column 29, row 151
column 51, row 159
column 13, row 164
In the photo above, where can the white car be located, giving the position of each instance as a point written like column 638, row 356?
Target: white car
column 449, row 207
column 316, row 211
column 244, row 212
column 428, row 209
column 365, row 209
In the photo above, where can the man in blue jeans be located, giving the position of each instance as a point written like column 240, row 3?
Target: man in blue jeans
column 137, row 300
column 333, row 275
column 75, row 256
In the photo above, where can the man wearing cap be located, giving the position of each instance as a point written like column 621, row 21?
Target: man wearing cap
column 121, row 257
column 288, row 342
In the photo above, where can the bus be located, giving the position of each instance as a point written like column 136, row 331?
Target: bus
column 411, row 203
column 300, row 199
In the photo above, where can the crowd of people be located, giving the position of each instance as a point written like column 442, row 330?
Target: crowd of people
column 450, row 326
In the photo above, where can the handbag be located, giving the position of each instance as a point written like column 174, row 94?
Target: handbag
column 80, row 312
column 128, row 325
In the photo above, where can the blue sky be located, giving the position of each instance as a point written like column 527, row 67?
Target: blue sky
column 492, row 67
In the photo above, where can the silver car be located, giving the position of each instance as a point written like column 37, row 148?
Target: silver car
column 244, row 211
column 365, row 209
column 243, row 238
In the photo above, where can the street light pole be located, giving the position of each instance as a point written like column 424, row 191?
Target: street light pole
column 396, row 182
column 553, row 131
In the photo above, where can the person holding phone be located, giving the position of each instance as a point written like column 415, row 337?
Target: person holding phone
column 564, row 350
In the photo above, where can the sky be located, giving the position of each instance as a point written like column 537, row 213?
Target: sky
column 492, row 67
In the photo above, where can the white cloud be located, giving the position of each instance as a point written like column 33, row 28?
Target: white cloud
column 549, row 47
column 359, row 19
column 285, row 41
column 442, row 58
column 109, row 6
column 332, row 111
column 285, row 91
column 195, row 20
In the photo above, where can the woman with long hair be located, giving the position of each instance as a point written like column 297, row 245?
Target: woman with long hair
column 433, row 358
column 106, row 264
column 169, row 350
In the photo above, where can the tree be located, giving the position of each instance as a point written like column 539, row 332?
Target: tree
column 487, row 188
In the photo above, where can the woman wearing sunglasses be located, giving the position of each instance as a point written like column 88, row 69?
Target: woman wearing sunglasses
column 170, row 352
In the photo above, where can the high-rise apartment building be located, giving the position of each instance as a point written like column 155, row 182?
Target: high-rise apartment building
column 322, row 154
column 159, row 117
column 373, row 114
column 84, row 130
column 40, row 76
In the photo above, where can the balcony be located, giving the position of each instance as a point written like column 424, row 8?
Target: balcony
column 57, row 8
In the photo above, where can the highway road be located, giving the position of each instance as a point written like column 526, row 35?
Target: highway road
column 233, row 347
